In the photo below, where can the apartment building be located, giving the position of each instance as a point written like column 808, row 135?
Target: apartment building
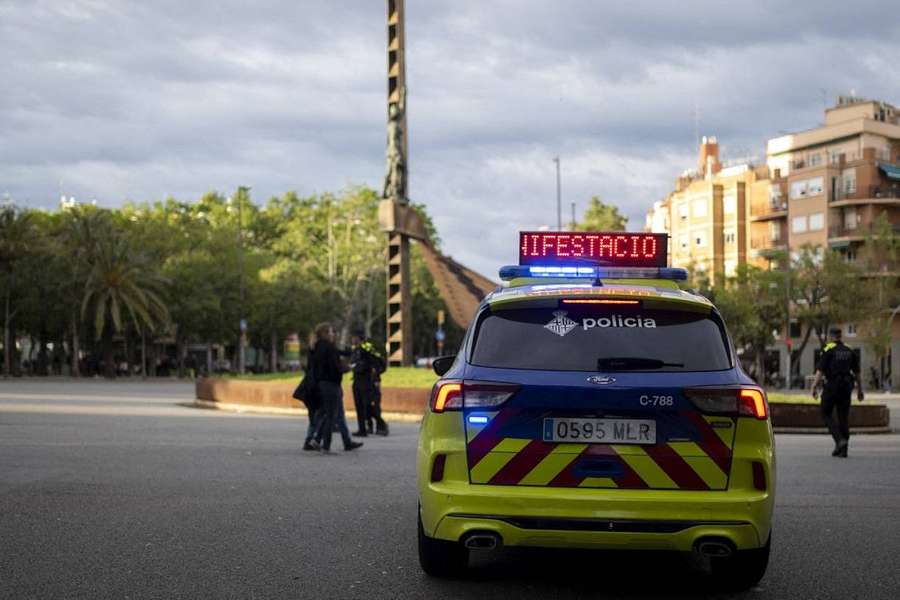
column 829, row 184
column 824, row 187
column 706, row 215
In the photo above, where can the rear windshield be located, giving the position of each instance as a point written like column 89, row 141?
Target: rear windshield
column 601, row 338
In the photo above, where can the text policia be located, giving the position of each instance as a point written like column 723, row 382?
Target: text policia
column 618, row 321
column 616, row 248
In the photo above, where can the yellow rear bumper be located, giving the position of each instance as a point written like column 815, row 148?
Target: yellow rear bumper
column 582, row 518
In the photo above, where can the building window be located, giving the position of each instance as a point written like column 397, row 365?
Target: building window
column 699, row 208
column 729, row 204
column 730, row 267
column 683, row 210
column 774, row 231
column 776, row 202
column 849, row 181
column 851, row 329
column 798, row 189
column 814, row 186
column 817, row 222
column 798, row 224
column 850, row 221
column 815, row 159
column 730, row 237
column 683, row 241
column 794, row 331
column 700, row 239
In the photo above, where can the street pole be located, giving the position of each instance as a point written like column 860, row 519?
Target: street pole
column 574, row 223
column 788, row 342
column 242, row 342
column 558, row 197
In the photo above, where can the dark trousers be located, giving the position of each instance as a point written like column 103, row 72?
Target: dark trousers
column 375, row 407
column 836, row 401
column 312, row 428
column 362, row 393
column 331, row 414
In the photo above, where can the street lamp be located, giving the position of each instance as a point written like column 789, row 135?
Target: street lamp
column 558, row 197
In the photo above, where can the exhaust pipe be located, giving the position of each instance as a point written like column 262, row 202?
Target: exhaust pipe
column 714, row 547
column 482, row 540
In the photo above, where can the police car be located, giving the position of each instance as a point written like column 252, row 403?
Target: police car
column 595, row 404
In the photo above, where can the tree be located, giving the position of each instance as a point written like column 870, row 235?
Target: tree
column 879, row 293
column 120, row 280
column 602, row 217
column 752, row 303
column 824, row 291
column 16, row 233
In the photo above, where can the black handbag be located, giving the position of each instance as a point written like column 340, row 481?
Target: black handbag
column 305, row 391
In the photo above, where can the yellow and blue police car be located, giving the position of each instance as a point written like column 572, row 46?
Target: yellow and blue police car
column 595, row 404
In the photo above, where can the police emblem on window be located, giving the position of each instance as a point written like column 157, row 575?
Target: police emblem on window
column 561, row 324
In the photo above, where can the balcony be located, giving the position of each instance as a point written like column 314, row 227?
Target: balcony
column 767, row 243
column 841, row 231
column 774, row 208
column 874, row 194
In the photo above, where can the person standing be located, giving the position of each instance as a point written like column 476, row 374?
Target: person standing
column 367, row 365
column 840, row 367
column 328, row 371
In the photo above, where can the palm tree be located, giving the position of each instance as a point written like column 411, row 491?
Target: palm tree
column 121, row 282
column 81, row 230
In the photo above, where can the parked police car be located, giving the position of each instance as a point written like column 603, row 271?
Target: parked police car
column 594, row 404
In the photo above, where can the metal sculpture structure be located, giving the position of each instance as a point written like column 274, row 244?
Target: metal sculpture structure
column 461, row 288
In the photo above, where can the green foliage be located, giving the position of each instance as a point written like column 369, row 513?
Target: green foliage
column 601, row 217
column 753, row 305
column 879, row 260
column 185, row 273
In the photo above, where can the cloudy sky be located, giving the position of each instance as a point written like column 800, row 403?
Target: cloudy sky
column 113, row 100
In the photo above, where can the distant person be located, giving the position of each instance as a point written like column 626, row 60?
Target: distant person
column 367, row 365
column 313, row 404
column 840, row 367
column 327, row 369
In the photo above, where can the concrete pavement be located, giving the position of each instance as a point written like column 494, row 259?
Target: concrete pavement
column 112, row 490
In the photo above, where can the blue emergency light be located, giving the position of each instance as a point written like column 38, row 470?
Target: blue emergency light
column 593, row 255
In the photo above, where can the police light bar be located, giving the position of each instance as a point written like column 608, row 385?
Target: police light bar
column 511, row 272
column 576, row 249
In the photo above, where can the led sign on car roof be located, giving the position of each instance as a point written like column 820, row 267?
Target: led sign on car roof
column 606, row 249
column 596, row 255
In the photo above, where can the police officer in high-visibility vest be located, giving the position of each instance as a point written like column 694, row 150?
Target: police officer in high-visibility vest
column 367, row 365
column 840, row 367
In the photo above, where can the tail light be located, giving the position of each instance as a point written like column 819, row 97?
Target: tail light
column 450, row 395
column 750, row 402
column 487, row 395
column 446, row 395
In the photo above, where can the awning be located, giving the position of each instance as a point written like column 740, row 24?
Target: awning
column 892, row 171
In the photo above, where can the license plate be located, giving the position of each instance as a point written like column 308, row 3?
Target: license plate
column 600, row 431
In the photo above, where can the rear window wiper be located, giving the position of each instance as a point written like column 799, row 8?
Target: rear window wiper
column 628, row 363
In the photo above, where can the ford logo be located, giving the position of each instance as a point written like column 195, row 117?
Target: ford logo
column 601, row 379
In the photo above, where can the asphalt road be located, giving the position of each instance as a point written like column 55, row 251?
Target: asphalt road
column 116, row 491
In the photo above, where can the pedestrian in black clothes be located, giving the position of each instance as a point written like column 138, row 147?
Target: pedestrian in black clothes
column 312, row 403
column 840, row 367
column 367, row 365
column 327, row 369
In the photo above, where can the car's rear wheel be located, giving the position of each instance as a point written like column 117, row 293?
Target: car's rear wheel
column 743, row 569
column 440, row 558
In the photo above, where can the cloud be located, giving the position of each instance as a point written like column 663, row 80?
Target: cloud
column 114, row 100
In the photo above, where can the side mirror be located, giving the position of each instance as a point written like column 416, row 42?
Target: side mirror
column 442, row 364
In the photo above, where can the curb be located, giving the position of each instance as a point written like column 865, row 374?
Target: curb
column 823, row 430
column 394, row 417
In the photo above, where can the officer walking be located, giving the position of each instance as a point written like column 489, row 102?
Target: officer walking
column 840, row 367
column 367, row 365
